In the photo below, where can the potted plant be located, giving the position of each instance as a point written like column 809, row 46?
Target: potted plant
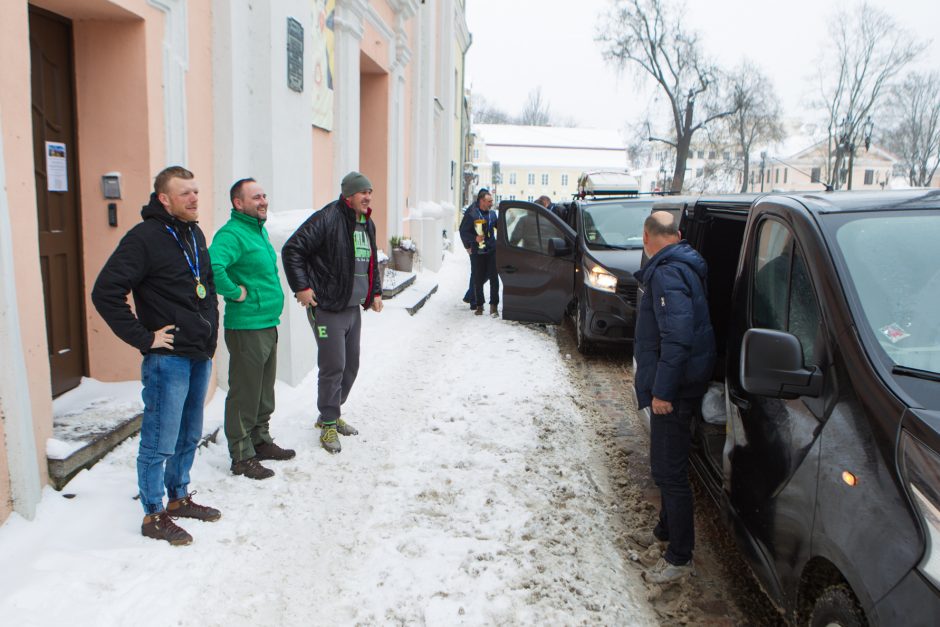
column 403, row 252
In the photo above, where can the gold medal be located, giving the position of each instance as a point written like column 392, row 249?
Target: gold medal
column 200, row 290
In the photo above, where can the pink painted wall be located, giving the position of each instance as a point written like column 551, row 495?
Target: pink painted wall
column 21, row 196
column 374, row 46
column 374, row 141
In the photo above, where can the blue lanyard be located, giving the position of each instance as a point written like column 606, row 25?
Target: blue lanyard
column 192, row 268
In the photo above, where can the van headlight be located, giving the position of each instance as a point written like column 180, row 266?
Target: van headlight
column 922, row 470
column 599, row 278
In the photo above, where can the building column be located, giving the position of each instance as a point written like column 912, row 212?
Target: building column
column 15, row 403
column 348, row 29
column 423, row 148
column 396, row 175
column 175, row 66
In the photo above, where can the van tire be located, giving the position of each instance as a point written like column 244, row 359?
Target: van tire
column 836, row 605
column 584, row 346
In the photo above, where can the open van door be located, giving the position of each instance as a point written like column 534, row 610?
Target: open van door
column 535, row 258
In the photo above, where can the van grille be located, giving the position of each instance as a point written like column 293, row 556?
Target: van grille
column 628, row 291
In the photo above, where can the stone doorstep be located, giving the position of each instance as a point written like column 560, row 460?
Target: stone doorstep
column 61, row 471
column 398, row 289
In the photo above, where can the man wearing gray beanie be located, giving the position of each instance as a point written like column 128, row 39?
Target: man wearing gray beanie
column 331, row 265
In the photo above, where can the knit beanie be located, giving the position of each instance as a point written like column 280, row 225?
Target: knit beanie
column 355, row 182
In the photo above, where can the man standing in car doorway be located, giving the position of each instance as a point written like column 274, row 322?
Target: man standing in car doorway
column 675, row 355
column 482, row 250
column 330, row 263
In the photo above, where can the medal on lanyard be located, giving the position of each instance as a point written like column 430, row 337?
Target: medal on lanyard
column 200, row 288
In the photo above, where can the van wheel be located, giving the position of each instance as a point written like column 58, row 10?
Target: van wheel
column 584, row 346
column 837, row 607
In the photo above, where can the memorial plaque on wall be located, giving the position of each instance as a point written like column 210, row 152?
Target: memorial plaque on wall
column 295, row 55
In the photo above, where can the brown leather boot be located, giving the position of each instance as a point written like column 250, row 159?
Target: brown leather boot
column 251, row 468
column 186, row 508
column 270, row 450
column 160, row 526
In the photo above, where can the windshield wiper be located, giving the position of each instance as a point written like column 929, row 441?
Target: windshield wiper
column 929, row 375
column 614, row 246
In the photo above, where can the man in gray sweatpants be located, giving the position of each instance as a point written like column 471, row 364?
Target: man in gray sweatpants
column 331, row 265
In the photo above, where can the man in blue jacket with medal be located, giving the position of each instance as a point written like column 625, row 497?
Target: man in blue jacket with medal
column 164, row 262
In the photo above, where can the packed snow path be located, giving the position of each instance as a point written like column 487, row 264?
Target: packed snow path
column 474, row 495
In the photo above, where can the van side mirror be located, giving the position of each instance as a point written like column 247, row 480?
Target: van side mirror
column 772, row 365
column 558, row 247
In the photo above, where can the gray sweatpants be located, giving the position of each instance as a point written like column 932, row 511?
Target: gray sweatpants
column 337, row 334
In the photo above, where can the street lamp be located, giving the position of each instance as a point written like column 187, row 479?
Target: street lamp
column 763, row 164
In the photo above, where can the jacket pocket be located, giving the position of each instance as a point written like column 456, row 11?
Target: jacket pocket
column 193, row 331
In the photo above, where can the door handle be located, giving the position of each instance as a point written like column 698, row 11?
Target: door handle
column 509, row 269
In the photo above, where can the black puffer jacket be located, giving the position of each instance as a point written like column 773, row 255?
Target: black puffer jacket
column 320, row 255
column 150, row 263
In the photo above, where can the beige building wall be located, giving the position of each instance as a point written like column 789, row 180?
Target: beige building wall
column 119, row 100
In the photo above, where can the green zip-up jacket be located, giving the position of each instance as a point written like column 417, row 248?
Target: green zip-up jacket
column 242, row 254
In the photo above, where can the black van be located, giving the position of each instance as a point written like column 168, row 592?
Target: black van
column 576, row 259
column 823, row 448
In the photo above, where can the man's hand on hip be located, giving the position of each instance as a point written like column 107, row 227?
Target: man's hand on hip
column 377, row 304
column 661, row 407
column 305, row 298
column 163, row 338
column 244, row 294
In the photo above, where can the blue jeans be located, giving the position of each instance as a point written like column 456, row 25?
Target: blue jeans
column 670, row 440
column 174, row 393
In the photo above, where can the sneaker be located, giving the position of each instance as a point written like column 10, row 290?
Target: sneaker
column 494, row 311
column 251, row 468
column 478, row 311
column 664, row 572
column 342, row 427
column 186, row 508
column 270, row 450
column 160, row 526
column 329, row 439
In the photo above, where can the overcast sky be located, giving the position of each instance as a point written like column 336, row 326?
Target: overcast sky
column 519, row 45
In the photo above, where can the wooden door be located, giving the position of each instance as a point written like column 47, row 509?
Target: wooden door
column 55, row 151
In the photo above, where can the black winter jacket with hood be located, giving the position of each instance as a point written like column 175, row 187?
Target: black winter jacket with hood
column 149, row 263
column 320, row 256
column 675, row 344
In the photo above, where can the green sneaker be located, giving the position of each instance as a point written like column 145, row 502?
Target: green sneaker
column 329, row 439
column 342, row 427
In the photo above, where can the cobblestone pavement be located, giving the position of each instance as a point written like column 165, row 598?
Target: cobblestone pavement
column 723, row 592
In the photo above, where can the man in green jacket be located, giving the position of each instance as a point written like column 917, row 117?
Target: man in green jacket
column 245, row 267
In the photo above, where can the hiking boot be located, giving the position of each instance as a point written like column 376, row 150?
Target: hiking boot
column 478, row 311
column 646, row 539
column 186, row 508
column 342, row 427
column 160, row 526
column 494, row 311
column 329, row 439
column 664, row 572
column 270, row 450
column 251, row 468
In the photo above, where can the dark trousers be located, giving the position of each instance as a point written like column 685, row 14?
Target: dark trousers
column 337, row 334
column 249, row 402
column 483, row 269
column 670, row 441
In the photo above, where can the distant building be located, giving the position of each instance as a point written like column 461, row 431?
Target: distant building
column 541, row 160
column 806, row 169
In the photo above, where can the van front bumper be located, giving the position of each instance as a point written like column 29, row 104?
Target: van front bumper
column 609, row 317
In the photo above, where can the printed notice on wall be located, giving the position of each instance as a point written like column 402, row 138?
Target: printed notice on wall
column 57, row 177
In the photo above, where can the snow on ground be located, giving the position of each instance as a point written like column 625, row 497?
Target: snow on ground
column 474, row 495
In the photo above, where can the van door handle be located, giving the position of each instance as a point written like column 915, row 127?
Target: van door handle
column 741, row 402
column 509, row 269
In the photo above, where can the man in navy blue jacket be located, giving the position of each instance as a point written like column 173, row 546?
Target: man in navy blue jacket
column 482, row 251
column 675, row 355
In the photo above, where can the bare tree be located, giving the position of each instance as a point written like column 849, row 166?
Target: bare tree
column 866, row 52
column 485, row 113
column 647, row 35
column 915, row 138
column 756, row 119
column 536, row 111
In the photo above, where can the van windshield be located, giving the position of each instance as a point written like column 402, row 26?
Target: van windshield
column 615, row 224
column 892, row 260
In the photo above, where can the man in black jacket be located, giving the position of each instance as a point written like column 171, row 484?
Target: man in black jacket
column 164, row 262
column 482, row 250
column 331, row 266
column 675, row 355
